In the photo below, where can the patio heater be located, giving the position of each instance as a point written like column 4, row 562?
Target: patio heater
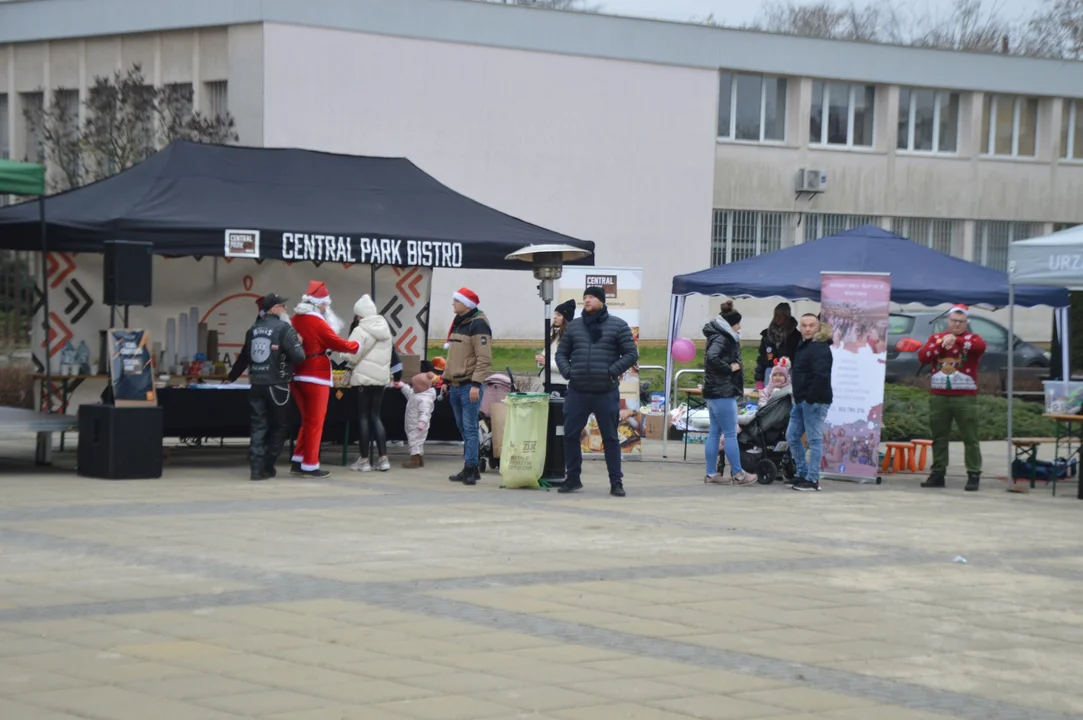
column 548, row 263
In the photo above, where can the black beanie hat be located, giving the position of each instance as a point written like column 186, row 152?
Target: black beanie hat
column 567, row 309
column 596, row 292
column 728, row 313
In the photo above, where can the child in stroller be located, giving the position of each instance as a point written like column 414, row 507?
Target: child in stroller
column 761, row 435
column 495, row 389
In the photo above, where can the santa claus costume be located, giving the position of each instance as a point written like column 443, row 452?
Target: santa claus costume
column 319, row 330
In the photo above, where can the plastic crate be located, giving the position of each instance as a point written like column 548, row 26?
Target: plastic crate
column 1063, row 397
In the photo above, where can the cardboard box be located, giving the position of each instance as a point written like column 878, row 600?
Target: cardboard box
column 411, row 365
column 498, row 416
column 654, row 426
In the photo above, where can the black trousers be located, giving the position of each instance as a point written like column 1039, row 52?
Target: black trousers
column 605, row 407
column 270, row 424
column 369, row 426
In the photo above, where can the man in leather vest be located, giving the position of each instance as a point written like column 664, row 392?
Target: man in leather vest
column 273, row 348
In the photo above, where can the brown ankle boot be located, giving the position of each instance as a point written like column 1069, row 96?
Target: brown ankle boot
column 415, row 461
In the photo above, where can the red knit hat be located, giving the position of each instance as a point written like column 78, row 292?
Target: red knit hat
column 318, row 291
column 467, row 297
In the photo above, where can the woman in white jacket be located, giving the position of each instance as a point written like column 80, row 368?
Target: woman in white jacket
column 564, row 314
column 370, row 373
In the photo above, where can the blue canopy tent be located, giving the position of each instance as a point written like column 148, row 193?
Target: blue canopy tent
column 919, row 275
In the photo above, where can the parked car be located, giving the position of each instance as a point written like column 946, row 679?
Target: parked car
column 909, row 331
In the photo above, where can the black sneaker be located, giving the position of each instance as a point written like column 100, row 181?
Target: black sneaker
column 315, row 474
column 972, row 482
column 570, row 486
column 271, row 472
column 295, row 469
column 471, row 475
column 806, row 486
column 936, row 480
column 617, row 490
column 258, row 476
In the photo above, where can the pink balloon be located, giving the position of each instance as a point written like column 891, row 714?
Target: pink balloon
column 684, row 350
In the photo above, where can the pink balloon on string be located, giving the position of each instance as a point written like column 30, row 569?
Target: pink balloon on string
column 684, row 350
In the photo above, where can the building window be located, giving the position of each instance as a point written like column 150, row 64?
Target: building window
column 842, row 114
column 1057, row 227
column 823, row 225
column 1010, row 126
column 930, row 232
column 217, row 103
column 1071, row 135
column 994, row 237
column 33, row 139
column 740, row 234
column 928, row 121
column 752, row 107
column 5, row 149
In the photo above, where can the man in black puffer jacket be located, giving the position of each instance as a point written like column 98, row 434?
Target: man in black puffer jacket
column 596, row 350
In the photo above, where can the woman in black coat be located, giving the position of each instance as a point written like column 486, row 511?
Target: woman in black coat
column 723, row 385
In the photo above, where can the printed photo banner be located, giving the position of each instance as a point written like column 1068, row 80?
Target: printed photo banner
column 220, row 293
column 857, row 307
column 623, row 288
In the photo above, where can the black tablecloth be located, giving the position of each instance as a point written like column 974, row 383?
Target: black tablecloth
column 224, row 413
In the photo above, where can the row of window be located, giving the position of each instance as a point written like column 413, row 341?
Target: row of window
column 179, row 97
column 741, row 234
column 753, row 108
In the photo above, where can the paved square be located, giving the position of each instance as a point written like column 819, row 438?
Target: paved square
column 203, row 596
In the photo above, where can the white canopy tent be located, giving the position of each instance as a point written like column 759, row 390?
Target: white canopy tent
column 1054, row 260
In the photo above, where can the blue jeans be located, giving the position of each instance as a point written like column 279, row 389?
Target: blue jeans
column 578, row 407
column 466, row 419
column 723, row 414
column 807, row 419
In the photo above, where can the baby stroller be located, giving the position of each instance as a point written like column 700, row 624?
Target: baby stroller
column 762, row 442
column 495, row 389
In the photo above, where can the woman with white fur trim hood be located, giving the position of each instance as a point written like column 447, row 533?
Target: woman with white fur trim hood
column 370, row 373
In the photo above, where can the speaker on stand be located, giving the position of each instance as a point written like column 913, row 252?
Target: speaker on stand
column 128, row 276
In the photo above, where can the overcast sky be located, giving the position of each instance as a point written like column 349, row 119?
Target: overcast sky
column 738, row 12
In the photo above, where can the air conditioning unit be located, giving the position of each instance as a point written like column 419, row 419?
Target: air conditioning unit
column 811, row 181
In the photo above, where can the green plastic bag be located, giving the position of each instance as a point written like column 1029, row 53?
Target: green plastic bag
column 522, row 454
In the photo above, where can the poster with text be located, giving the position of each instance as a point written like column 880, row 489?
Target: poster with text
column 622, row 291
column 856, row 306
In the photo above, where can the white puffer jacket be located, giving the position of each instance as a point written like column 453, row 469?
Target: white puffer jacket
column 372, row 363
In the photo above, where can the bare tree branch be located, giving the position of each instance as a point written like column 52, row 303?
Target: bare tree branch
column 126, row 120
column 1056, row 32
column 580, row 5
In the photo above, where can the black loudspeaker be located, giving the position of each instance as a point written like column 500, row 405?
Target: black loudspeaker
column 120, row 443
column 129, row 268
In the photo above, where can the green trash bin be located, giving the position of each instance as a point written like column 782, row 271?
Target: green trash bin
column 522, row 454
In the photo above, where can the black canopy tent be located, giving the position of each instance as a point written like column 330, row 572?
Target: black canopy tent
column 281, row 204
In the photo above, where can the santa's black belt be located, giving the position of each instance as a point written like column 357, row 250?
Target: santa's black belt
column 319, row 354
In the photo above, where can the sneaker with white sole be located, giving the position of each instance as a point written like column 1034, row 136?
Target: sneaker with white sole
column 744, row 478
column 361, row 465
column 383, row 464
column 806, row 486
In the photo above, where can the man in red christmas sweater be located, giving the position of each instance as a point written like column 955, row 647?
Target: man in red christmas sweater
column 954, row 356
column 319, row 329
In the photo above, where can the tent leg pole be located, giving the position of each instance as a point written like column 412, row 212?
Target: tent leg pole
column 666, row 403
column 1011, row 376
column 45, row 304
column 1065, row 343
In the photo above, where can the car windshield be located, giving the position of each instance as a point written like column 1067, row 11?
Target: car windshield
column 899, row 324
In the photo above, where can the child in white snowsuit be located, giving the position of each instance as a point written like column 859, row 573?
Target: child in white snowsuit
column 420, row 400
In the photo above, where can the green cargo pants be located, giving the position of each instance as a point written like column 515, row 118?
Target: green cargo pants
column 963, row 409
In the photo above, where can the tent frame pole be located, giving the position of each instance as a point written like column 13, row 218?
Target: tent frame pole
column 673, row 301
column 1011, row 375
column 48, row 388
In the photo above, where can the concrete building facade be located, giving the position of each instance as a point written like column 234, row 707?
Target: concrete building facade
column 672, row 146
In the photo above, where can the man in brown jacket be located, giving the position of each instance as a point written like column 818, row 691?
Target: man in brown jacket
column 469, row 359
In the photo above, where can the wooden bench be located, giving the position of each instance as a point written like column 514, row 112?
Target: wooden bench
column 1026, row 449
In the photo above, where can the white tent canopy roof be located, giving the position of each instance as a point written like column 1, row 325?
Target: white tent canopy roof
column 1055, row 259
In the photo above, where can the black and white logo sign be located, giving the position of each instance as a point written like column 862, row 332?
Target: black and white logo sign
column 260, row 350
column 242, row 244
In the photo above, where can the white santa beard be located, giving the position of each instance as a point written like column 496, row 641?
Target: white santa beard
column 333, row 320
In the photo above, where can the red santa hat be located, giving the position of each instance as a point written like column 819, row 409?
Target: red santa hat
column 467, row 297
column 317, row 293
column 960, row 308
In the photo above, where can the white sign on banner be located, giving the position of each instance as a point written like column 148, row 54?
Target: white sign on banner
column 219, row 294
column 857, row 306
column 623, row 288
